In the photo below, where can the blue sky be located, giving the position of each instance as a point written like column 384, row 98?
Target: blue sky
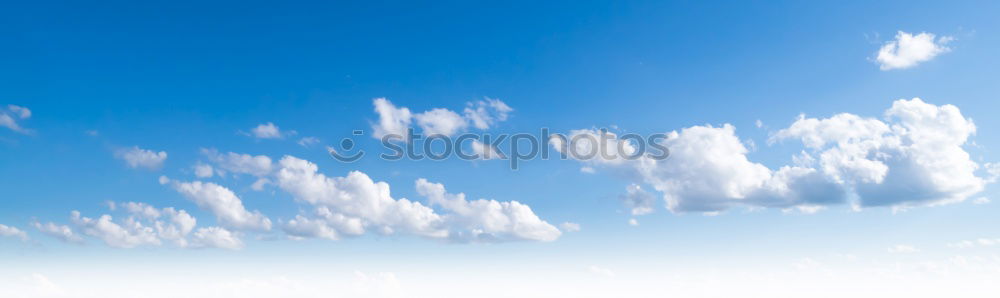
column 111, row 85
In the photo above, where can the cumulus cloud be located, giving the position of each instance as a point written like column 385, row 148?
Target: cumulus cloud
column 269, row 131
column 484, row 113
column 439, row 121
column 914, row 157
column 391, row 120
column 907, row 50
column 142, row 225
column 224, row 204
column 355, row 204
column 8, row 231
column 216, row 237
column 136, row 157
column 352, row 204
column 130, row 233
column 256, row 165
column 62, row 232
column 488, row 220
column 10, row 116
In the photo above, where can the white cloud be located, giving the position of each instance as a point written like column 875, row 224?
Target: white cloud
column 569, row 227
column 203, row 170
column 440, row 122
column 981, row 201
column 259, row 184
column 144, row 225
column 488, row 220
column 391, row 120
column 216, row 237
column 269, row 131
column 136, row 157
column 633, row 222
column 485, row 113
column 305, row 227
column 638, row 200
column 19, row 111
column 594, row 147
column 168, row 223
column 902, row 249
column 908, row 50
column 61, row 232
column 912, row 158
column 308, row 141
column 588, row 170
column 8, row 231
column 486, row 152
column 10, row 116
column 256, row 165
column 353, row 204
column 224, row 204
column 129, row 234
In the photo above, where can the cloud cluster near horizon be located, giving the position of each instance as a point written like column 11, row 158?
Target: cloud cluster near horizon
column 337, row 207
column 912, row 157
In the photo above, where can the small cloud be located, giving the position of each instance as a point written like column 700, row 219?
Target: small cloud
column 759, row 124
column 637, row 200
column 587, row 170
column 136, row 157
column 62, row 232
column 203, row 170
column 8, row 231
column 633, row 222
column 92, row 133
column 570, row 227
column 10, row 116
column 269, row 131
column 908, row 50
column 308, row 141
column 902, row 249
column 981, row 201
column 259, row 184
column 485, row 151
